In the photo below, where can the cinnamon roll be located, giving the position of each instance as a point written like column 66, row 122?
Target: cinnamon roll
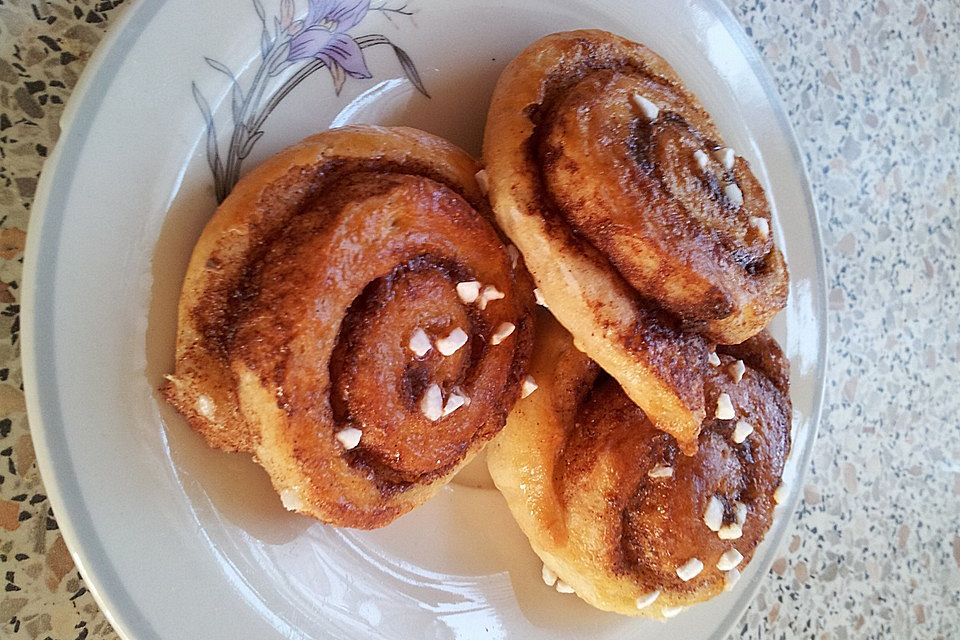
column 620, row 193
column 351, row 317
column 615, row 511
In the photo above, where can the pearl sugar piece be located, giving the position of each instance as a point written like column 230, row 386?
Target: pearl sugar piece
column 690, row 569
column 539, row 298
column 660, row 471
column 489, row 294
column 291, row 499
column 468, row 291
column 724, row 407
column 206, row 407
column 761, row 225
column 737, row 369
column 502, row 333
column 349, row 437
column 420, row 343
column 549, row 576
column 529, row 386
column 647, row 599
column 650, row 110
column 431, row 404
column 732, row 193
column 780, row 495
column 563, row 587
column 729, row 560
column 725, row 156
column 701, row 159
column 713, row 515
column 742, row 431
column 741, row 513
column 730, row 532
column 454, row 402
column 452, row 343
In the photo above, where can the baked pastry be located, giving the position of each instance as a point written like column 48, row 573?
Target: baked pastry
column 351, row 317
column 615, row 511
column 617, row 188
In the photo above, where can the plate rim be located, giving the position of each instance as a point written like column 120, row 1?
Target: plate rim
column 86, row 97
column 762, row 71
column 87, row 94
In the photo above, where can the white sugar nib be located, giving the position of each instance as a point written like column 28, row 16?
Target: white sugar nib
column 730, row 532
column 713, row 515
column 690, row 569
column 761, row 225
column 206, row 406
column 539, row 298
column 660, row 471
column 741, row 513
column 502, row 333
column 732, row 192
column 488, row 295
column 780, row 494
column 563, row 587
column 729, row 560
column 463, row 394
column 737, row 369
column 742, row 431
column 548, row 575
column 647, row 599
column 468, row 291
column 451, row 344
column 529, row 386
column 431, row 404
column 349, row 437
column 724, row 407
column 420, row 343
column 291, row 499
column 725, row 157
column 701, row 159
column 650, row 110
column 454, row 402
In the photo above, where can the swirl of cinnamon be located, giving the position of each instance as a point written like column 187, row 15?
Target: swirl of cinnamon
column 613, row 507
column 620, row 193
column 352, row 318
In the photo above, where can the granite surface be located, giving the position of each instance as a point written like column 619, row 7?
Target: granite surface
column 871, row 89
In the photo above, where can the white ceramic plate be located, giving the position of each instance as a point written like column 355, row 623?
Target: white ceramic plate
column 179, row 541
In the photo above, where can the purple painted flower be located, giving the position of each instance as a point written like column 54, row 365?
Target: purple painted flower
column 323, row 36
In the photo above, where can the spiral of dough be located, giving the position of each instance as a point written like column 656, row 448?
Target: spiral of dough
column 352, row 318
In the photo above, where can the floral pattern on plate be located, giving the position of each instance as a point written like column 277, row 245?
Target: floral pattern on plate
column 291, row 50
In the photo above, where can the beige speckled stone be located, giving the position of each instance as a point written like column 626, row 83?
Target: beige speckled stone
column 9, row 511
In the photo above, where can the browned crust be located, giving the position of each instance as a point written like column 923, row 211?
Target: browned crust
column 270, row 282
column 586, row 265
column 573, row 465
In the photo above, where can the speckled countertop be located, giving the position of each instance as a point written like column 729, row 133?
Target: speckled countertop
column 871, row 90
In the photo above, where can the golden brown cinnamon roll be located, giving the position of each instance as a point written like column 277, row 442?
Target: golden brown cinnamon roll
column 352, row 318
column 612, row 507
column 619, row 192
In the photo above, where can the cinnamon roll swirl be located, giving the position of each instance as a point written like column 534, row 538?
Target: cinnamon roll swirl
column 610, row 505
column 620, row 193
column 351, row 317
